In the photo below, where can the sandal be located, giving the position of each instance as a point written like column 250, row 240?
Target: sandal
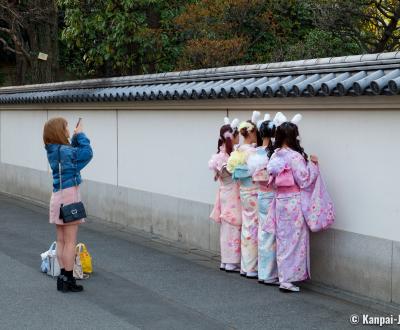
column 288, row 287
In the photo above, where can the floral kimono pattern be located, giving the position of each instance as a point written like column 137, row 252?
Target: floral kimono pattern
column 249, row 238
column 227, row 210
column 317, row 206
column 267, row 265
column 285, row 217
column 248, row 196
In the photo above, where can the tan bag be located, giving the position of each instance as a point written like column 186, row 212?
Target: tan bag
column 78, row 272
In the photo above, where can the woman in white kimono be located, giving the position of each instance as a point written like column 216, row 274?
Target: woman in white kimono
column 237, row 165
column 257, row 163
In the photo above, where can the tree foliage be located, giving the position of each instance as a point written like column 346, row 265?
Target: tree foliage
column 108, row 37
column 373, row 24
column 99, row 38
column 230, row 32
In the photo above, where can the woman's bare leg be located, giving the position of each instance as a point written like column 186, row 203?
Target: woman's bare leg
column 60, row 245
column 70, row 237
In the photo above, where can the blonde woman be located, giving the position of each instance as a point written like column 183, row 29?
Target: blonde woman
column 237, row 165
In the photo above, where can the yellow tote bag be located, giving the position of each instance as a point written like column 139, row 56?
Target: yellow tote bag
column 85, row 257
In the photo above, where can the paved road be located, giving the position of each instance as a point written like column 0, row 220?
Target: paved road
column 140, row 283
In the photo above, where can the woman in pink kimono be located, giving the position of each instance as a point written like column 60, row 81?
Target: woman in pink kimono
column 257, row 163
column 237, row 165
column 292, row 173
column 227, row 209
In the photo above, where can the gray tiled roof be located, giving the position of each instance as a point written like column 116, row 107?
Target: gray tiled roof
column 370, row 74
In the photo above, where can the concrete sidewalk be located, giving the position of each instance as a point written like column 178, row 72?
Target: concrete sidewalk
column 142, row 283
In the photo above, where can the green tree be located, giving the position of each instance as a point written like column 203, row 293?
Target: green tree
column 108, row 37
column 373, row 24
column 232, row 32
column 319, row 43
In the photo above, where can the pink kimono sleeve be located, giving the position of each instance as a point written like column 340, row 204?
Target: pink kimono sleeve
column 217, row 161
column 317, row 206
column 304, row 173
column 216, row 211
column 212, row 163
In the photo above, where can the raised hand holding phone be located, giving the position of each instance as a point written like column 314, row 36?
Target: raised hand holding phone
column 78, row 128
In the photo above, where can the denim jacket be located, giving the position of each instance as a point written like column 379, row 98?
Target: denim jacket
column 74, row 158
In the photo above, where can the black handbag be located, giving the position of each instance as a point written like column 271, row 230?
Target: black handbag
column 71, row 212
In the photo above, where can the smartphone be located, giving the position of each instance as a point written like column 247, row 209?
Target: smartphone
column 79, row 121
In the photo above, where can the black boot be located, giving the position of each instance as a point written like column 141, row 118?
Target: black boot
column 60, row 279
column 69, row 283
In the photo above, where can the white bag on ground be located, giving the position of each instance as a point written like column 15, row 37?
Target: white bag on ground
column 44, row 266
column 52, row 262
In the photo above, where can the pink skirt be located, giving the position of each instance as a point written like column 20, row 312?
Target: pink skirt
column 67, row 196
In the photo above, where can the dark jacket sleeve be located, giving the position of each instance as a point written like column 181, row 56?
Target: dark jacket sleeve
column 84, row 152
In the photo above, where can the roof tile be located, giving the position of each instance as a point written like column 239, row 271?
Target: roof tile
column 345, row 75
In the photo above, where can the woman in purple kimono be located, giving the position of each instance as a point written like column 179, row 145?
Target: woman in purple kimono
column 227, row 209
column 291, row 173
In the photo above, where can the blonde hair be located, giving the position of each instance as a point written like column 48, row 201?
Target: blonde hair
column 246, row 128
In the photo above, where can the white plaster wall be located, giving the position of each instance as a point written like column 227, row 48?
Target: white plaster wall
column 22, row 138
column 101, row 128
column 167, row 152
column 359, row 160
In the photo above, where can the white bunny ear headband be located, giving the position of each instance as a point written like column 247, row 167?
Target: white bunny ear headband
column 280, row 118
column 267, row 116
column 254, row 120
column 234, row 124
column 255, row 117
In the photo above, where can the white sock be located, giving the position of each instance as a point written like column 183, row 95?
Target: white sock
column 232, row 267
column 290, row 287
column 252, row 274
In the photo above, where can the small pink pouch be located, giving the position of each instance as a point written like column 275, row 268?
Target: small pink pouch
column 285, row 178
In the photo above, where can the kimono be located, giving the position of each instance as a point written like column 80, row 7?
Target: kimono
column 227, row 209
column 267, row 266
column 292, row 177
column 248, row 197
